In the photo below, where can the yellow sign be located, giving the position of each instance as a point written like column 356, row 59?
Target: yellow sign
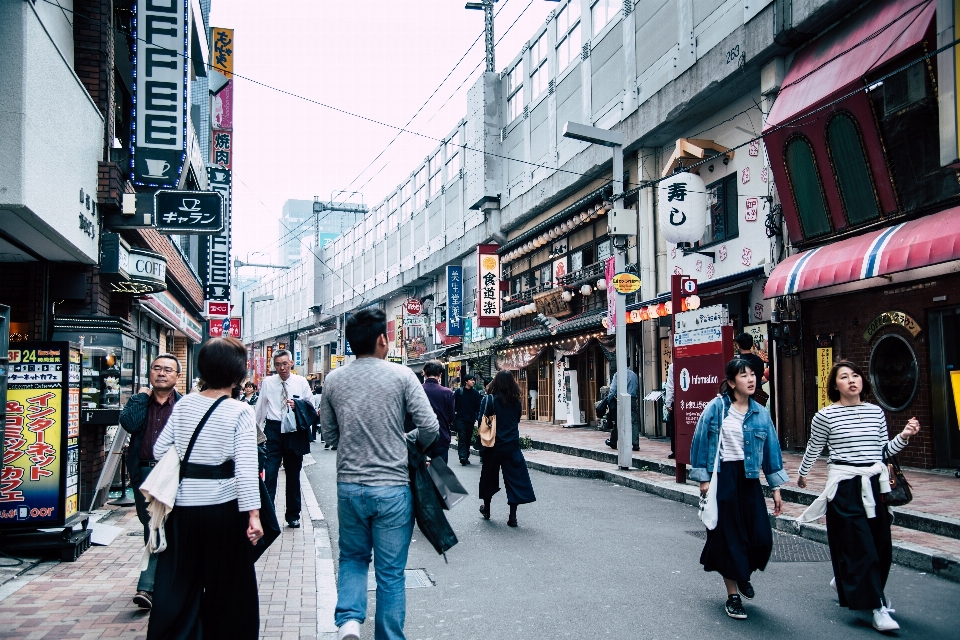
column 626, row 283
column 336, row 361
column 453, row 370
column 824, row 364
column 955, row 381
column 891, row 317
column 223, row 50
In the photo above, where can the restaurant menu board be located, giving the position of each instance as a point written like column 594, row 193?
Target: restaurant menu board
column 39, row 477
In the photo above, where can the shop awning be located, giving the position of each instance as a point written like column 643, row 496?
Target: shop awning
column 925, row 242
column 838, row 60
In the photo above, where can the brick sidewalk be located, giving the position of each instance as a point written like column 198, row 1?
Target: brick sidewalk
column 90, row 598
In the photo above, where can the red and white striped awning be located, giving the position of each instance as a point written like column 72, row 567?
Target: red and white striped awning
column 927, row 241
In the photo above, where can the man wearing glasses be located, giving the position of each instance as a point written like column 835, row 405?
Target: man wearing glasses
column 143, row 417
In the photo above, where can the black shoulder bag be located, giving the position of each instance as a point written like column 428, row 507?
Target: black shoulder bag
column 900, row 493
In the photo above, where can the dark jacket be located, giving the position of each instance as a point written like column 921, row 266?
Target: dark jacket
column 441, row 399
column 133, row 419
column 306, row 417
column 508, row 422
column 466, row 403
column 427, row 505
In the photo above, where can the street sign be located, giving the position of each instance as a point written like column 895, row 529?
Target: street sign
column 413, row 306
column 227, row 327
column 188, row 212
column 626, row 283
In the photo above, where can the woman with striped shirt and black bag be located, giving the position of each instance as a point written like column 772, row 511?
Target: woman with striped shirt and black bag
column 858, row 522
column 206, row 584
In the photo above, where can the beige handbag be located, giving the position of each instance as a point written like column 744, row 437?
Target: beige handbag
column 488, row 429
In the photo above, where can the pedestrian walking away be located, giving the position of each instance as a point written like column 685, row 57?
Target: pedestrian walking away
column 503, row 401
column 277, row 395
column 858, row 522
column 206, row 582
column 362, row 415
column 144, row 416
column 441, row 399
column 466, row 406
column 747, row 441
column 633, row 386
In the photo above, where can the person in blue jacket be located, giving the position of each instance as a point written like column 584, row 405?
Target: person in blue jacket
column 742, row 540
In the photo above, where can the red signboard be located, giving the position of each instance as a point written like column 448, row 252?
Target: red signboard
column 217, row 309
column 217, row 326
column 699, row 360
column 413, row 306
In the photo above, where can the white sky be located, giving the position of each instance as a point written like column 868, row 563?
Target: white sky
column 376, row 58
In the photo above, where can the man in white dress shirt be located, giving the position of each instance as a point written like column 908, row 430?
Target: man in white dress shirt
column 277, row 393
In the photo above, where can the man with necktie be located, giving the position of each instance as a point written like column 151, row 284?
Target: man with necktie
column 277, row 393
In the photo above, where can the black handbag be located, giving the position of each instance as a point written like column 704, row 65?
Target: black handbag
column 900, row 493
column 427, row 504
column 268, row 521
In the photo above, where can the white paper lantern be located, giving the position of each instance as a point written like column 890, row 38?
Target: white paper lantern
column 558, row 231
column 586, row 289
column 531, row 308
column 602, row 284
column 682, row 202
column 693, row 303
column 567, row 296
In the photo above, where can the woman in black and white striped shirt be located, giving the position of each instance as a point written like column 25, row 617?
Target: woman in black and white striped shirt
column 206, row 582
column 858, row 522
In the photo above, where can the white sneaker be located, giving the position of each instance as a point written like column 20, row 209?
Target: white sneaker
column 882, row 620
column 351, row 630
column 833, row 584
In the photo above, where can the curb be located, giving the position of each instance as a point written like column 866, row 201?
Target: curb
column 907, row 518
column 907, row 554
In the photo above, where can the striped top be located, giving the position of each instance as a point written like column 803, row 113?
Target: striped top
column 228, row 434
column 731, row 436
column 857, row 434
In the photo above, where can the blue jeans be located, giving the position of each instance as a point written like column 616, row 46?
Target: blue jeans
column 377, row 519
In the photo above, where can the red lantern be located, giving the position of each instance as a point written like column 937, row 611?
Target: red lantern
column 645, row 313
column 661, row 310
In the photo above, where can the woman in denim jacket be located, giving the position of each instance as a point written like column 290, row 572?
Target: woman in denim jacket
column 742, row 541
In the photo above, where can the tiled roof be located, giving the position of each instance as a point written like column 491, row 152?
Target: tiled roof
column 580, row 322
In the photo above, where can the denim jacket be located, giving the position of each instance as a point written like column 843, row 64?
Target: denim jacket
column 761, row 448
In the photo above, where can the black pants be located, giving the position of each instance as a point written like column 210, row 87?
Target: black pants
column 515, row 476
column 672, row 432
column 206, row 582
column 743, row 540
column 464, row 436
column 278, row 450
column 861, row 548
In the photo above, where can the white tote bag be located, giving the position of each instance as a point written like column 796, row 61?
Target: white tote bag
column 709, row 513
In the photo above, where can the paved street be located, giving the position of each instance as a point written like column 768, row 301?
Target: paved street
column 593, row 559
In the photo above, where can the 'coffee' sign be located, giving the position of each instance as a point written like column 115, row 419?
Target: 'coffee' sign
column 159, row 129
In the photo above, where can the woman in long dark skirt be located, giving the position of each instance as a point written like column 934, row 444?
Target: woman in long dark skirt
column 503, row 401
column 858, row 522
column 742, row 540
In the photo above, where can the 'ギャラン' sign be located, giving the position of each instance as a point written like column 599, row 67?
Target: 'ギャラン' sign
column 39, row 476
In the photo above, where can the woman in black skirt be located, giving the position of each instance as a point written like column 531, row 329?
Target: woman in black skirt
column 503, row 401
column 858, row 522
column 742, row 540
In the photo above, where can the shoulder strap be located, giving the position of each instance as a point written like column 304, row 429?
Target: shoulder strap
column 196, row 432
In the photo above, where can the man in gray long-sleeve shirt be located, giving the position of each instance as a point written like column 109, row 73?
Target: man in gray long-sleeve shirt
column 362, row 414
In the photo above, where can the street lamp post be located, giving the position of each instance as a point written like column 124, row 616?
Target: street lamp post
column 615, row 140
column 253, row 322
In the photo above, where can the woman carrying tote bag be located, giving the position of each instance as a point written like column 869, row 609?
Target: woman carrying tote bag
column 742, row 430
column 206, row 584
column 858, row 522
column 503, row 401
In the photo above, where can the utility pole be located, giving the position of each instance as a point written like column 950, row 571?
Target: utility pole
column 487, row 7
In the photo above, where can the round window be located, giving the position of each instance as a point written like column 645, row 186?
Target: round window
column 894, row 372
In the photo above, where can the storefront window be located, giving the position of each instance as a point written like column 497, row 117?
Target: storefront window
column 851, row 170
column 894, row 372
column 722, row 221
column 806, row 188
column 107, row 380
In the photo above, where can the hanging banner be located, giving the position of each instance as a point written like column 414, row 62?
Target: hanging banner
column 488, row 298
column 454, row 300
column 39, row 476
column 217, row 271
column 221, row 102
column 824, row 364
column 159, row 132
column 609, row 272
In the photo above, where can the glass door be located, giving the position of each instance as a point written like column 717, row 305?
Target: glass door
column 945, row 379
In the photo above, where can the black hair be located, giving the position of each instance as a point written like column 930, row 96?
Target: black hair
column 505, row 387
column 249, row 383
column 734, row 368
column 469, row 376
column 745, row 342
column 222, row 362
column 167, row 356
column 433, row 369
column 363, row 328
column 833, row 392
